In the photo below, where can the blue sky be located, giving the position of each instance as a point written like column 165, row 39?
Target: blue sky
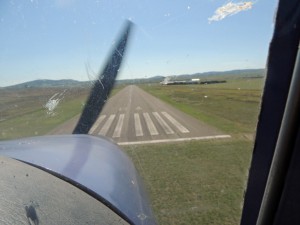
column 43, row 39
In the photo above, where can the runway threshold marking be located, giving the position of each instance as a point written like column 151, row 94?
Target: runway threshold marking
column 107, row 124
column 117, row 132
column 178, row 125
column 163, row 124
column 138, row 125
column 150, row 125
column 98, row 121
column 174, row 140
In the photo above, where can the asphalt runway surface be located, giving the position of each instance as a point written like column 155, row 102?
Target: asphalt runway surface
column 133, row 116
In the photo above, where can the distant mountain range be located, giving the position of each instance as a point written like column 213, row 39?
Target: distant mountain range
column 50, row 83
column 248, row 73
column 216, row 75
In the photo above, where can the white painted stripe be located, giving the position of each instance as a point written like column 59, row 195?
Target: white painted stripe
column 117, row 132
column 178, row 125
column 151, row 127
column 174, row 140
column 137, row 125
column 107, row 124
column 97, row 123
column 163, row 123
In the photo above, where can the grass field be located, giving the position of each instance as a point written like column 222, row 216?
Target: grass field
column 196, row 182
column 22, row 111
column 231, row 106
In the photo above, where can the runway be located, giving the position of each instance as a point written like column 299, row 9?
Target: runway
column 133, row 116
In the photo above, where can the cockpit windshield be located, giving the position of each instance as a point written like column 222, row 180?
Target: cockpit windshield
column 185, row 102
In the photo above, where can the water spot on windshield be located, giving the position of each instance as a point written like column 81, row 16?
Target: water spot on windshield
column 142, row 216
column 53, row 102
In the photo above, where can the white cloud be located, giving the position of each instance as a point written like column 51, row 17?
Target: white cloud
column 230, row 9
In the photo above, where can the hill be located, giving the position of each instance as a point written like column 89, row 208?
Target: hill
column 247, row 73
column 155, row 79
column 215, row 75
column 49, row 83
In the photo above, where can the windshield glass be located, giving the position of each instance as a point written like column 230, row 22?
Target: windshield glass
column 185, row 103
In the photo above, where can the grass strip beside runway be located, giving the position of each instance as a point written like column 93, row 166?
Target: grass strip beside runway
column 196, row 182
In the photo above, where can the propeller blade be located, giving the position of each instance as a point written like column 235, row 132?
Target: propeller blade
column 103, row 85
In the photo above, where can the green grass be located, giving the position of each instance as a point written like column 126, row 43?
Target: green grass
column 31, row 119
column 231, row 107
column 198, row 182
column 23, row 114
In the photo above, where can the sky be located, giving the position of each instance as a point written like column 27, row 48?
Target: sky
column 70, row 39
